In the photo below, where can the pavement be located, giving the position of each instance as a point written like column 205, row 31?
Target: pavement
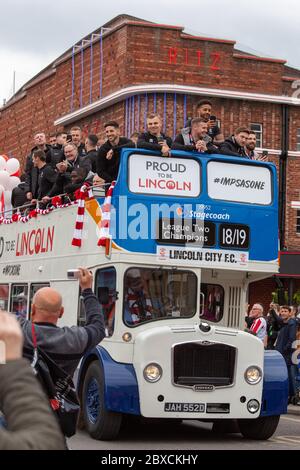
column 294, row 409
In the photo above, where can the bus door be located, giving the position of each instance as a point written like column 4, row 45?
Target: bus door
column 69, row 290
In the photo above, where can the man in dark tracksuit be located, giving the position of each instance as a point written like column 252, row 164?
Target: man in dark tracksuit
column 285, row 345
column 235, row 145
column 67, row 345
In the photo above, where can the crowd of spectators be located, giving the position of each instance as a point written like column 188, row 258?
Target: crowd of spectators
column 279, row 329
column 65, row 162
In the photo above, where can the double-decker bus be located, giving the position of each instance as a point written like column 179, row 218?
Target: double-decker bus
column 183, row 238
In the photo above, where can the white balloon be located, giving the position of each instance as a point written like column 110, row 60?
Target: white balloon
column 12, row 165
column 2, row 163
column 1, row 190
column 7, row 198
column 13, row 182
column 4, row 178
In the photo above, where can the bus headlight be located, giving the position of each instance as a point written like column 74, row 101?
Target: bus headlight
column 253, row 375
column 152, row 373
column 253, row 406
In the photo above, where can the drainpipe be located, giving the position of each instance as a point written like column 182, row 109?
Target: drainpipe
column 282, row 172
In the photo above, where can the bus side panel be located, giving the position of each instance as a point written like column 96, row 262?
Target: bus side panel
column 121, row 387
column 275, row 386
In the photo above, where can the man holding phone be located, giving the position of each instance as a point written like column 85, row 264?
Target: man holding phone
column 66, row 345
column 250, row 149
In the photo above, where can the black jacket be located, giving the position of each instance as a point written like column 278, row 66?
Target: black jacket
column 179, row 144
column 231, row 147
column 64, row 179
column 67, row 345
column 285, row 339
column 46, row 179
column 32, row 172
column 108, row 169
column 150, row 142
column 92, row 155
column 18, row 195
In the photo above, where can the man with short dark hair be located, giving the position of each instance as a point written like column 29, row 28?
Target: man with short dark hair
column 77, row 140
column 235, row 145
column 250, row 148
column 39, row 139
column 46, row 175
column 285, row 344
column 154, row 139
column 197, row 140
column 109, row 153
column 52, row 139
column 91, row 150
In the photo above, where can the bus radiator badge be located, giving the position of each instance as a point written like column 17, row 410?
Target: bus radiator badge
column 203, row 388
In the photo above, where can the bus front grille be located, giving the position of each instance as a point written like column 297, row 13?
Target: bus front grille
column 203, row 364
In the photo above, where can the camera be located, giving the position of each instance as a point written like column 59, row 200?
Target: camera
column 73, row 273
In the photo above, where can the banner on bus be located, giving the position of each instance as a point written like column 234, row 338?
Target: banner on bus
column 239, row 183
column 164, row 176
column 218, row 258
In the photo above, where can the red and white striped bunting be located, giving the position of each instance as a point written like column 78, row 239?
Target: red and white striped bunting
column 106, row 217
column 84, row 193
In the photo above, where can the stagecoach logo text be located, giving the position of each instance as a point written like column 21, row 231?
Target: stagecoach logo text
column 35, row 242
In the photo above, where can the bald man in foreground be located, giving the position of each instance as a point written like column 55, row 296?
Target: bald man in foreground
column 66, row 345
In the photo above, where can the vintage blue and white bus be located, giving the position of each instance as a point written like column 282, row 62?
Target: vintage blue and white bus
column 184, row 237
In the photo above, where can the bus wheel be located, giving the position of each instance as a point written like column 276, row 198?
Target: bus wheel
column 260, row 428
column 100, row 423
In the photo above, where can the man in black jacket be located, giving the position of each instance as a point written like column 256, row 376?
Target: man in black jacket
column 76, row 134
column 154, row 139
column 18, row 195
column 67, row 345
column 65, row 168
column 46, row 176
column 31, row 172
column 197, row 140
column 109, row 153
column 91, row 150
column 235, row 145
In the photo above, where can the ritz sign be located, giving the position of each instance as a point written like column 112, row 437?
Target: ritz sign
column 196, row 57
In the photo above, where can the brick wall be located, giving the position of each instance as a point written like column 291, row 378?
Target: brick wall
column 142, row 54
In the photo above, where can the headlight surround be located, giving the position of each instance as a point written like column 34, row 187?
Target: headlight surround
column 152, row 373
column 253, row 375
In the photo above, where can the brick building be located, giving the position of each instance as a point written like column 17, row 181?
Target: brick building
column 130, row 67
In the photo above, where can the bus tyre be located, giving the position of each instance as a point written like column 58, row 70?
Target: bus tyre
column 260, row 428
column 100, row 423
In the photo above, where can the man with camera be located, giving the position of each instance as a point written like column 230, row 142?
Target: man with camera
column 154, row 139
column 67, row 345
column 29, row 422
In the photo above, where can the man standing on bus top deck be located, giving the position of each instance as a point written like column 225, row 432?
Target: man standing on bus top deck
column 154, row 139
column 197, row 140
column 108, row 160
column 259, row 325
column 65, row 345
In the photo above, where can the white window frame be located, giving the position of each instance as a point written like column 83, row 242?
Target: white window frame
column 298, row 141
column 298, row 221
column 258, row 129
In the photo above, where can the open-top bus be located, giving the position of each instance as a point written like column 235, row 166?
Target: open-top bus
column 187, row 235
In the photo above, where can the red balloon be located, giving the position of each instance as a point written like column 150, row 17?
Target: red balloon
column 5, row 157
column 17, row 173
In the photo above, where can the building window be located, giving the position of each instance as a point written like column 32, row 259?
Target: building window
column 257, row 128
column 298, row 139
column 298, row 222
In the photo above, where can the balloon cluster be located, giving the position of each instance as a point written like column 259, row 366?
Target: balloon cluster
column 9, row 179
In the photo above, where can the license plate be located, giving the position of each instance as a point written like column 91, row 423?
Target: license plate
column 185, row 407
